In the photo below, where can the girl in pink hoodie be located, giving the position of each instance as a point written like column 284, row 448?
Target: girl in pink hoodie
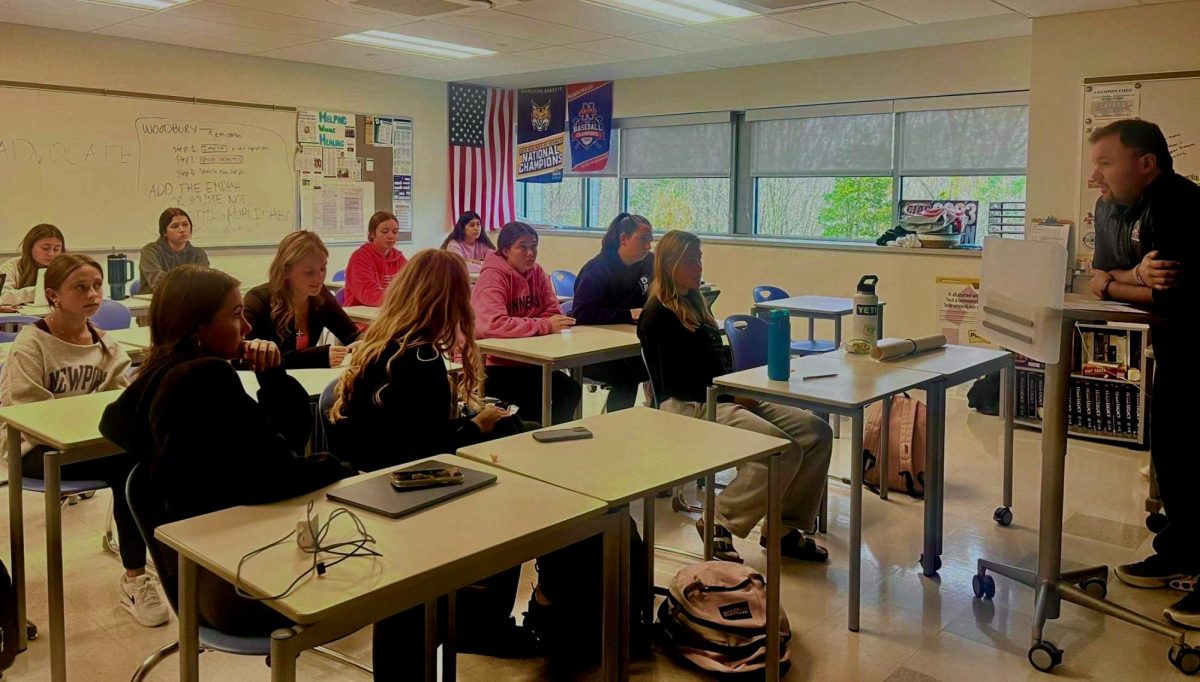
column 375, row 264
column 513, row 298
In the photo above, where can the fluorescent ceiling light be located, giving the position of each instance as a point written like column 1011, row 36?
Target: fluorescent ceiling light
column 403, row 43
column 687, row 11
column 141, row 4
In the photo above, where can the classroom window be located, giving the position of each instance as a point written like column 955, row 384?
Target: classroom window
column 986, row 189
column 691, row 204
column 843, row 208
column 556, row 203
column 604, row 201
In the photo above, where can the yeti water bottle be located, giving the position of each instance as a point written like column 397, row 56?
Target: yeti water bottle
column 865, row 323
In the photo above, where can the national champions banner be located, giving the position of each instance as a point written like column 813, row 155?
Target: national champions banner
column 541, row 134
column 589, row 125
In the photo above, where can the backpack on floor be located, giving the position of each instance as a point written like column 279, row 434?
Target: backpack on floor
column 715, row 616
column 905, row 448
column 10, row 637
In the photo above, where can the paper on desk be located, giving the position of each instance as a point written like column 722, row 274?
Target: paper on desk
column 890, row 349
column 1105, row 307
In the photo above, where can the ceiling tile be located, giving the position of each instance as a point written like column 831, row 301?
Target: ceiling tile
column 183, row 38
column 625, row 49
column 934, row 11
column 464, row 36
column 566, row 56
column 478, row 67
column 72, row 14
column 323, row 10
column 688, row 40
column 252, row 18
column 589, row 17
column 67, row 22
column 1045, row 8
column 333, row 53
column 759, row 30
column 844, row 18
column 520, row 27
column 173, row 27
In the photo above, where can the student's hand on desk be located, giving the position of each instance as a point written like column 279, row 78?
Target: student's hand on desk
column 488, row 417
column 1100, row 280
column 561, row 322
column 337, row 355
column 1159, row 274
column 746, row 402
column 261, row 355
column 636, row 314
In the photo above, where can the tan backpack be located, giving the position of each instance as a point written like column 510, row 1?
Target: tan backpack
column 905, row 448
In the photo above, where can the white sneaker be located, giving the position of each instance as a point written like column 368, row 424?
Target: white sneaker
column 140, row 597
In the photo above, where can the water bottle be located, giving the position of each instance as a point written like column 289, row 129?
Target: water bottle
column 779, row 342
column 864, row 331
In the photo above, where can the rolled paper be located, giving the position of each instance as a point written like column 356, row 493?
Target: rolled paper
column 890, row 349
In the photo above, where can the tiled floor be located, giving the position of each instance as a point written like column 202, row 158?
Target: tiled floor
column 913, row 628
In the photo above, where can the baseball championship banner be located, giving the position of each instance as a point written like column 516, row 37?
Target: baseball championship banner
column 589, row 125
column 541, row 134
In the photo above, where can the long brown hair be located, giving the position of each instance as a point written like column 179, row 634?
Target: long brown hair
column 186, row 298
column 26, row 267
column 61, row 268
column 690, row 308
column 292, row 249
column 165, row 218
column 429, row 303
column 378, row 219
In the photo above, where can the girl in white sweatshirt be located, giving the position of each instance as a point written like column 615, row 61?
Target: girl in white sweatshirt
column 39, row 247
column 63, row 355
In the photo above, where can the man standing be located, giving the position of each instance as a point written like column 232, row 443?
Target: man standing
column 1134, row 165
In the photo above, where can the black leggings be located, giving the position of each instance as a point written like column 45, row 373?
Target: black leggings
column 112, row 470
column 1175, row 462
column 522, row 386
column 622, row 378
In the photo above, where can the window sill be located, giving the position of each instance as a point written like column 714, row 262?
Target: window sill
column 769, row 242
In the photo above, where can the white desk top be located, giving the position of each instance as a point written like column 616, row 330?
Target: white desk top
column 65, row 423
column 137, row 338
column 362, row 313
column 479, row 525
column 856, row 384
column 947, row 361
column 827, row 305
column 634, row 452
column 313, row 380
column 574, row 343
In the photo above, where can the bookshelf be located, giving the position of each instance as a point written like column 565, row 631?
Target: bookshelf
column 1110, row 384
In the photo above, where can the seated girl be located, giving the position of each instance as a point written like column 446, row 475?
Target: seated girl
column 294, row 306
column 469, row 240
column 684, row 352
column 39, row 247
column 375, row 264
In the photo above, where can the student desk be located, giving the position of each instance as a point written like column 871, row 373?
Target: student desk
column 816, row 308
column 636, row 453
column 314, row 380
column 950, row 366
column 571, row 349
column 135, row 341
column 856, row 385
column 425, row 555
column 70, row 427
column 362, row 313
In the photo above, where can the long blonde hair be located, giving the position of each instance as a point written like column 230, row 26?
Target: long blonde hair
column 690, row 308
column 429, row 303
column 292, row 249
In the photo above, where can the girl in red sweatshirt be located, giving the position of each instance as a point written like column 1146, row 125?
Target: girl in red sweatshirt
column 513, row 298
column 375, row 264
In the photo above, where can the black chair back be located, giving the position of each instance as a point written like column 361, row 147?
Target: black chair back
column 148, row 513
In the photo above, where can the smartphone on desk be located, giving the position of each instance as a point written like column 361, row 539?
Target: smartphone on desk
column 419, row 479
column 556, row 435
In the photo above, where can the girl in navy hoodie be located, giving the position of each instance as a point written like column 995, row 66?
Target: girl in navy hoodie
column 513, row 299
column 611, row 289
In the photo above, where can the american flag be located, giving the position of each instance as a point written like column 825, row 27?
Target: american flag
column 481, row 149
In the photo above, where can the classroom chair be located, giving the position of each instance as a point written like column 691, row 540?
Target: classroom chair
column 340, row 296
column 142, row 507
column 802, row 347
column 112, row 315
column 135, row 286
column 11, row 324
column 339, row 276
column 564, row 282
column 747, row 336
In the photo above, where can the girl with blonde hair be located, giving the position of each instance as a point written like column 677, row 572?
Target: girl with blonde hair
column 684, row 352
column 294, row 306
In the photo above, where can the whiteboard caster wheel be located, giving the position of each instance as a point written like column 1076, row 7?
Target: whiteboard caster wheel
column 1003, row 516
column 1096, row 587
column 88, row 495
column 1185, row 658
column 984, row 586
column 1156, row 522
column 931, row 566
column 1045, row 656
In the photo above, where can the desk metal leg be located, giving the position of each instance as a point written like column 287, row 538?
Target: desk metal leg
column 881, row 454
column 189, row 629
column 450, row 643
column 284, row 655
column 577, row 375
column 547, row 394
column 710, row 514
column 934, row 411
column 431, row 640
column 626, row 621
column 647, row 599
column 856, row 480
column 774, row 532
column 1008, row 380
column 54, row 565
column 16, row 530
column 611, row 615
column 940, row 434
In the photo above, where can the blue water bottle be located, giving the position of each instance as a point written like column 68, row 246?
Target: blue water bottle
column 779, row 341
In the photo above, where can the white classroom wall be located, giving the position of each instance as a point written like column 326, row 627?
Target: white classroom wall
column 39, row 55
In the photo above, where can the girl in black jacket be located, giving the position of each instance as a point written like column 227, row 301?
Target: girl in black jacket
column 294, row 306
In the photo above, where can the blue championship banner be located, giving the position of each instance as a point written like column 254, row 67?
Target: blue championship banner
column 541, row 134
column 589, row 125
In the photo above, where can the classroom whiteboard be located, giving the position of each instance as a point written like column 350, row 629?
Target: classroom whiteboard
column 102, row 168
column 1170, row 100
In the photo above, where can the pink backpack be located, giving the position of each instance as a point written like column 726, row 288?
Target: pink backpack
column 905, row 448
column 715, row 616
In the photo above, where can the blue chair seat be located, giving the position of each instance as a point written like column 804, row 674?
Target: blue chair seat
column 812, row 347
column 37, row 485
column 234, row 644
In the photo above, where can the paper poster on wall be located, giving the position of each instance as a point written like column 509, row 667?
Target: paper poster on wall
column 329, row 161
column 541, row 134
column 589, row 114
column 383, row 128
column 403, row 211
column 308, row 158
column 1110, row 102
column 306, row 127
column 402, row 147
column 332, row 129
column 338, row 209
column 401, row 188
column 957, row 303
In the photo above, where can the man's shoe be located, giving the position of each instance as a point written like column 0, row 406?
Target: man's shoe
column 1154, row 572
